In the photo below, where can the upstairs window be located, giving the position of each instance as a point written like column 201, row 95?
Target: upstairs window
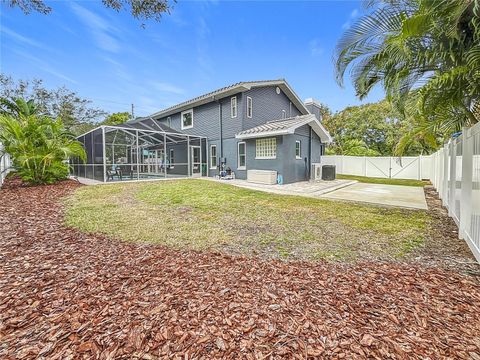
column 249, row 107
column 187, row 119
column 266, row 148
column 284, row 114
column 233, row 107
column 213, row 156
column 298, row 149
column 169, row 121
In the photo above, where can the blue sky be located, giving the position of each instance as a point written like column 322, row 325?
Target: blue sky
column 109, row 58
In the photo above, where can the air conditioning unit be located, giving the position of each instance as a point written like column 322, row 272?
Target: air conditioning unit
column 316, row 173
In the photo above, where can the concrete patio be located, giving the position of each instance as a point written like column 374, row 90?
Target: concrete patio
column 347, row 190
column 303, row 188
column 380, row 194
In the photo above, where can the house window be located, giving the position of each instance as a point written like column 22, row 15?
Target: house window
column 298, row 149
column 213, row 156
column 249, row 107
column 172, row 159
column 242, row 156
column 284, row 114
column 233, row 106
column 169, row 121
column 187, row 119
column 266, row 148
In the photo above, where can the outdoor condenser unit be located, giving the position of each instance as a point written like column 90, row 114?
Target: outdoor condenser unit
column 316, row 173
column 328, row 172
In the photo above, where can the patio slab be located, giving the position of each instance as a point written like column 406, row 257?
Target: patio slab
column 380, row 194
column 302, row 188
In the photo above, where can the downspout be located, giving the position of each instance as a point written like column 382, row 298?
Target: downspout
column 309, row 152
column 221, row 128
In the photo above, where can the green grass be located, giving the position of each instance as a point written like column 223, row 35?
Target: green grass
column 202, row 214
column 372, row 180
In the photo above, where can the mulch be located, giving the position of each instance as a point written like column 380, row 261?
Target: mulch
column 69, row 295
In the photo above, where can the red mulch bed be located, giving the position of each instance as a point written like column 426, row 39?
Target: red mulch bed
column 65, row 295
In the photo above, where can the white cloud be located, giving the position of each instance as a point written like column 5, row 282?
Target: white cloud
column 44, row 66
column 316, row 48
column 203, row 54
column 168, row 88
column 353, row 15
column 20, row 38
column 102, row 31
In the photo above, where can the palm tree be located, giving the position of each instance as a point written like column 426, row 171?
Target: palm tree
column 18, row 107
column 426, row 55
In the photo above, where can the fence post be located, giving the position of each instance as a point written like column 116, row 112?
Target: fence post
column 466, row 190
column 446, row 152
column 453, row 177
column 364, row 166
column 420, row 167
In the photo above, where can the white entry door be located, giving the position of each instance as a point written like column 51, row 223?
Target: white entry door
column 196, row 161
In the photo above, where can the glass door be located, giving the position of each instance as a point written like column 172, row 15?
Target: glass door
column 196, row 159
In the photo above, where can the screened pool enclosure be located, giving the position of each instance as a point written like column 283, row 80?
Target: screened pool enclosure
column 147, row 150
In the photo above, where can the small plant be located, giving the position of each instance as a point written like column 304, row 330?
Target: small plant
column 39, row 146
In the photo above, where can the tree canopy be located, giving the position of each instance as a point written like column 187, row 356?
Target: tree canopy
column 425, row 54
column 370, row 130
column 117, row 118
column 77, row 114
column 140, row 10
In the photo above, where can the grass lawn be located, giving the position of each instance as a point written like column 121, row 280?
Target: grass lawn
column 202, row 214
column 372, row 180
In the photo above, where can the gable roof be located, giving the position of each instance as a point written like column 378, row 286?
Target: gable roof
column 229, row 91
column 285, row 127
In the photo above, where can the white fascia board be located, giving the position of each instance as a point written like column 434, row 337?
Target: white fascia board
column 293, row 96
column 263, row 134
column 321, row 131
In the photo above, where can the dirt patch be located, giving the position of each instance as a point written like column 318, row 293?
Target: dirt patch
column 443, row 248
column 65, row 294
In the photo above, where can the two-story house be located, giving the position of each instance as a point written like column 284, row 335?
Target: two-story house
column 257, row 125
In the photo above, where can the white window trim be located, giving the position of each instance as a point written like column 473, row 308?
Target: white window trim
column 284, row 114
column 181, row 119
column 211, row 165
column 169, row 121
column 265, row 157
column 233, row 100
column 299, row 148
column 170, row 163
column 238, row 155
column 251, row 107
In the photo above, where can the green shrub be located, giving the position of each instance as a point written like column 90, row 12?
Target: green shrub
column 38, row 145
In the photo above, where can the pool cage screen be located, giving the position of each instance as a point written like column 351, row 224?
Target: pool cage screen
column 134, row 152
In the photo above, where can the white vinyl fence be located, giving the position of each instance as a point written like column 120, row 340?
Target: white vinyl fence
column 454, row 171
column 5, row 165
column 407, row 167
column 456, row 176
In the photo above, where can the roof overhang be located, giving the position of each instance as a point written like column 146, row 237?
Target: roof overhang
column 311, row 120
column 227, row 92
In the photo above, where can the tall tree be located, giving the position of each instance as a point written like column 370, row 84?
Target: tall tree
column 371, row 129
column 117, row 118
column 426, row 55
column 77, row 114
column 141, row 10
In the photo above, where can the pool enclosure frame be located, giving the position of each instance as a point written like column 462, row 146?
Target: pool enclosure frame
column 140, row 151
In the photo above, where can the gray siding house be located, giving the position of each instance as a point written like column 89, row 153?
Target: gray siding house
column 258, row 125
